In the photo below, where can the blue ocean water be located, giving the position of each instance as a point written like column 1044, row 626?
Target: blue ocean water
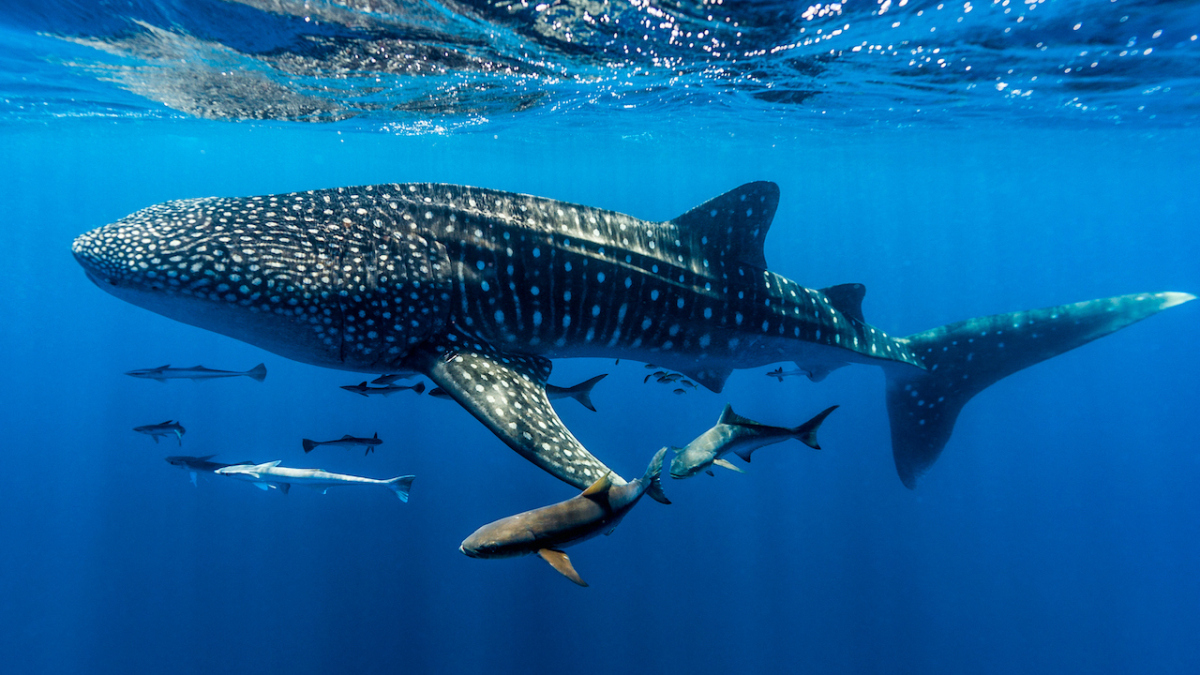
column 1060, row 530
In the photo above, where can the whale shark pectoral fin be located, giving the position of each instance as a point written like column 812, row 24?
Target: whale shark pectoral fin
column 507, row 393
column 559, row 561
column 261, row 486
column 726, row 464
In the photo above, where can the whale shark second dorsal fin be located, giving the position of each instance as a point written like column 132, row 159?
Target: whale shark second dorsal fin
column 733, row 225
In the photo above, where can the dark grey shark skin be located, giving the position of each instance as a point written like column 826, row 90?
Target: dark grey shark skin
column 478, row 289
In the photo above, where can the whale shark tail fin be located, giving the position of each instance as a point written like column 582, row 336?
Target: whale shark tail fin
column 258, row 373
column 962, row 359
column 401, row 485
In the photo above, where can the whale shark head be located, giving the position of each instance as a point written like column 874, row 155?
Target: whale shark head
column 313, row 276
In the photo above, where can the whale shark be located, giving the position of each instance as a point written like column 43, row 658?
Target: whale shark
column 479, row 290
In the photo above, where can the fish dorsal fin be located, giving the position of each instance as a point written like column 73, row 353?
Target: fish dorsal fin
column 347, row 437
column 205, row 458
column 376, row 436
column 734, row 225
column 162, row 367
column 732, row 418
column 599, row 487
column 268, row 465
column 847, row 299
column 196, row 367
column 559, row 561
column 362, row 385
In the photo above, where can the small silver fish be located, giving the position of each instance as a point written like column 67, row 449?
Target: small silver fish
column 162, row 429
column 391, row 378
column 271, row 475
column 164, row 373
column 362, row 389
column 346, row 441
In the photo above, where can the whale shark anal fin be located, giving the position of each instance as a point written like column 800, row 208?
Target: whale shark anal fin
column 507, row 393
column 559, row 561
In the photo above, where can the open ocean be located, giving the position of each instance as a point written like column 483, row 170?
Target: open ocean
column 960, row 159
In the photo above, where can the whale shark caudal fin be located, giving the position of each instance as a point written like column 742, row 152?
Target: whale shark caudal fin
column 308, row 444
column 652, row 478
column 401, row 485
column 962, row 359
column 258, row 372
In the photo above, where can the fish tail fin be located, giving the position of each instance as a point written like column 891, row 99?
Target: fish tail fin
column 807, row 433
column 308, row 444
column 419, row 387
column 258, row 372
column 962, row 359
column 652, row 478
column 401, row 485
column 582, row 392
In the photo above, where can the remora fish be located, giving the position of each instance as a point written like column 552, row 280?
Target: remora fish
column 780, row 373
column 581, row 392
column 548, row 530
column 391, row 378
column 363, row 389
column 271, row 475
column 194, row 465
column 741, row 436
column 478, row 289
column 164, row 373
column 346, row 441
column 163, row 429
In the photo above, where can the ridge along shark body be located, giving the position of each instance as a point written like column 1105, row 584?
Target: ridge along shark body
column 195, row 465
column 478, row 289
column 271, row 475
column 741, row 436
column 549, row 529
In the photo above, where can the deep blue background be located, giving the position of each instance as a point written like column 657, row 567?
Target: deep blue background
column 1059, row 532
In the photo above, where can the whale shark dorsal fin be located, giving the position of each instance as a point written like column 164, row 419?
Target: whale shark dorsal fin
column 847, row 299
column 347, row 437
column 205, row 458
column 559, row 561
column 733, row 225
column 267, row 465
column 599, row 487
